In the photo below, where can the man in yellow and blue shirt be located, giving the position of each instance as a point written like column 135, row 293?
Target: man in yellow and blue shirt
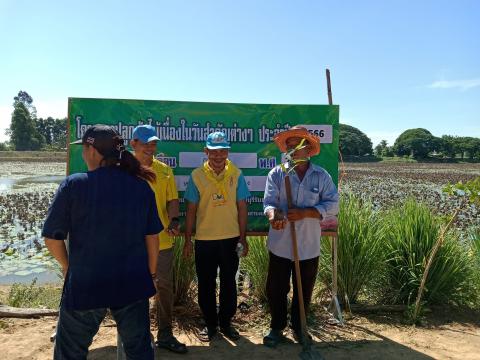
column 144, row 143
column 216, row 194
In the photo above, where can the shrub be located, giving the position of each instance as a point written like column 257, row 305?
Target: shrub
column 360, row 256
column 183, row 272
column 412, row 231
column 255, row 265
column 34, row 296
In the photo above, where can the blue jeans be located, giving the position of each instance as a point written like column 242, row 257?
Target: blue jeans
column 76, row 329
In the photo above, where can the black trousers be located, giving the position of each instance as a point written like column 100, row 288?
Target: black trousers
column 278, row 285
column 209, row 256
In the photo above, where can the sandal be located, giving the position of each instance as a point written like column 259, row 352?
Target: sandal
column 172, row 344
column 207, row 334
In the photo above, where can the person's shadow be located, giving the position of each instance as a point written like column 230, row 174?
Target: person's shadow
column 222, row 348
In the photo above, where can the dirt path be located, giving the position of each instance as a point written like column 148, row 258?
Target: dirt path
column 361, row 338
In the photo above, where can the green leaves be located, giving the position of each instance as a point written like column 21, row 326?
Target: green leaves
column 470, row 189
column 411, row 233
column 255, row 265
column 360, row 249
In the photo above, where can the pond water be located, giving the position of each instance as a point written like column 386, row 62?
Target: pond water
column 26, row 190
column 7, row 184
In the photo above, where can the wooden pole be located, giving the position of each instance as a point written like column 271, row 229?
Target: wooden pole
column 329, row 88
column 334, row 237
column 298, row 275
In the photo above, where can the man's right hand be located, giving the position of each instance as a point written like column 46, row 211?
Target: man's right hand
column 187, row 248
column 277, row 219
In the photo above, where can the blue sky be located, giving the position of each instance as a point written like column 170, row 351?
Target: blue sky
column 395, row 65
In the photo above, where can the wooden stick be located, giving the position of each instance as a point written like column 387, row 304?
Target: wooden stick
column 329, row 88
column 13, row 312
column 301, row 304
column 437, row 245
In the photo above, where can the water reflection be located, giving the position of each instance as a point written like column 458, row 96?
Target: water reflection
column 7, row 184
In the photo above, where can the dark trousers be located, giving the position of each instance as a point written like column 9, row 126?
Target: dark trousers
column 278, row 285
column 209, row 256
column 76, row 329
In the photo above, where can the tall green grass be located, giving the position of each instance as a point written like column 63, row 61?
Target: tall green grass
column 474, row 240
column 411, row 232
column 255, row 266
column 183, row 272
column 360, row 250
column 474, row 246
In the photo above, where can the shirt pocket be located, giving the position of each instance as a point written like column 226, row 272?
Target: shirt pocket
column 311, row 197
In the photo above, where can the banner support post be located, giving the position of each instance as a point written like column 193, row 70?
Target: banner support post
column 334, row 304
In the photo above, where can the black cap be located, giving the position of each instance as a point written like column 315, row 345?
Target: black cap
column 104, row 138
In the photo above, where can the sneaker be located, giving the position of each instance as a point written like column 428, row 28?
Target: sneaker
column 230, row 332
column 273, row 338
column 207, row 334
column 172, row 344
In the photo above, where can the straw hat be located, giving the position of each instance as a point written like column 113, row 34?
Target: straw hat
column 298, row 131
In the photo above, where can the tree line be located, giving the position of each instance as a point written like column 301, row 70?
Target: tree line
column 28, row 132
column 415, row 143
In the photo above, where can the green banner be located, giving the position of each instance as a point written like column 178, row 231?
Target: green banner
column 184, row 126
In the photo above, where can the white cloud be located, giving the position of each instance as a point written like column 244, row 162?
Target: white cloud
column 456, row 84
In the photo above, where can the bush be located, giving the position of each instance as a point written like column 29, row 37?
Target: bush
column 412, row 231
column 474, row 245
column 183, row 272
column 34, row 296
column 255, row 265
column 360, row 250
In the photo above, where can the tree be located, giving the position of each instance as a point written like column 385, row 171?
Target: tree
column 449, row 146
column 382, row 149
column 469, row 146
column 417, row 143
column 54, row 131
column 354, row 142
column 22, row 131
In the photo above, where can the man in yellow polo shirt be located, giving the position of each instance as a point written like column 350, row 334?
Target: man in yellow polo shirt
column 216, row 195
column 144, row 143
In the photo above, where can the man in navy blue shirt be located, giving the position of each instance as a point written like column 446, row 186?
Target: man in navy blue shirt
column 110, row 217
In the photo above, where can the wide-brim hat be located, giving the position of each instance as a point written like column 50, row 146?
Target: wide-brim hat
column 298, row 132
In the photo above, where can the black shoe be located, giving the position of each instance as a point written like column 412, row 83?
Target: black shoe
column 172, row 344
column 230, row 332
column 273, row 338
column 207, row 334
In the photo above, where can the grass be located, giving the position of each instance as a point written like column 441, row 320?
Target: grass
column 360, row 251
column 255, row 266
column 34, row 296
column 183, row 272
column 412, row 231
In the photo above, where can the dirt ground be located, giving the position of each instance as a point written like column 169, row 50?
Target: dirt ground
column 447, row 335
